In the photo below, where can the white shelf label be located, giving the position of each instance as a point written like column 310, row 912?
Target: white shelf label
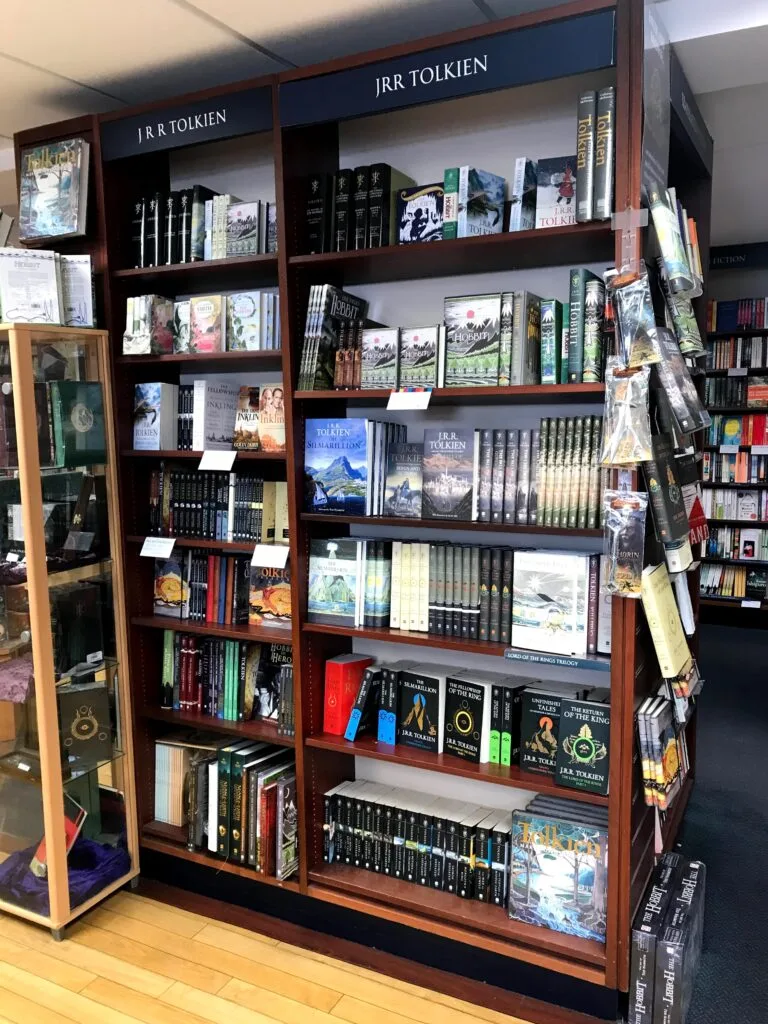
column 221, row 462
column 12, row 556
column 751, row 604
column 729, row 449
column 409, row 399
column 738, row 371
column 760, row 449
column 157, row 547
column 270, row 556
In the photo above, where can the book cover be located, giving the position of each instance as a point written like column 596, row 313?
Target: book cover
column 155, row 412
column 244, row 321
column 206, row 323
column 361, row 181
column 480, row 204
column 384, row 184
column 418, row 357
column 287, row 837
column 214, row 407
column 667, row 503
column 421, row 709
column 559, row 875
column 363, row 715
column 243, row 228
column 522, row 196
column 343, row 675
column 171, row 588
column 180, row 327
column 271, row 418
column 318, row 213
column 269, row 597
column 604, row 146
column 539, row 730
column 551, row 340
column 76, row 298
column 582, row 758
column 594, row 307
column 555, row 192
column 336, row 465
column 447, row 474
column 53, row 190
column 247, row 419
column 78, row 423
column 334, row 578
column 586, row 117
column 420, row 213
column 663, row 619
column 473, row 335
column 403, row 482
column 549, row 604
column 379, row 357
column 467, row 718
column 29, row 286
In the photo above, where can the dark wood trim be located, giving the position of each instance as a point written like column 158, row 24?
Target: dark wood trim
column 255, row 730
column 255, row 634
column 176, row 848
column 526, row 394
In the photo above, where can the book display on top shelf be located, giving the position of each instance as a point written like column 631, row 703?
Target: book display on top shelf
column 53, row 191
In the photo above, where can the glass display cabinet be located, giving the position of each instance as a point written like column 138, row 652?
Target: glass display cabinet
column 68, row 834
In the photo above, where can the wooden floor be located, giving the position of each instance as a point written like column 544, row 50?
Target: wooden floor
column 134, row 959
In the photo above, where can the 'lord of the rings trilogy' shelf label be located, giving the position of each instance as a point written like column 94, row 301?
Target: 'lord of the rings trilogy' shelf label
column 205, row 120
column 552, row 49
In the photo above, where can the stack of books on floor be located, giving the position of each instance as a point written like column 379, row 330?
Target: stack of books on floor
column 478, row 853
column 478, row 716
column 237, row 800
column 233, row 680
column 209, row 415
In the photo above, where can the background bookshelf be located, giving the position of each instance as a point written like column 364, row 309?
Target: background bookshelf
column 403, row 285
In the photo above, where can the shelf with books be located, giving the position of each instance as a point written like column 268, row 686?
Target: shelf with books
column 442, row 524
column 507, row 251
column 173, row 453
column 745, row 486
column 735, row 409
column 714, row 600
column 428, row 909
column 748, row 371
column 745, row 332
column 738, row 522
column 257, row 729
column 412, row 757
column 210, row 362
column 734, row 561
column 516, row 394
column 255, row 633
column 236, row 547
column 201, row 274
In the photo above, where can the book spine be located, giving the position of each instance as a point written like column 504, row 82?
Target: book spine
column 440, row 591
column 461, row 206
column 642, row 968
column 510, row 477
column 565, row 345
column 380, row 186
column 604, row 158
column 578, row 282
column 450, row 203
column 466, row 574
column 594, row 308
column 550, row 342
column 432, row 620
column 505, row 628
column 486, row 472
column 448, row 602
column 166, row 694
column 499, row 867
column 585, row 155
column 506, row 726
column 494, row 748
column 360, row 186
column 574, row 475
column 523, row 478
column 342, row 210
column 586, row 461
column 474, row 592
column 223, row 845
column 484, row 629
column 533, row 491
column 505, row 338
column 318, row 215
column 497, row 476
column 495, row 604
column 458, row 568
column 593, row 599
column 543, row 504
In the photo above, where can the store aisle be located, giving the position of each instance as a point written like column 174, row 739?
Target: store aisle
column 134, row 959
column 726, row 826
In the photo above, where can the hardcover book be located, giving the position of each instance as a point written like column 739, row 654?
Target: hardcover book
column 269, row 597
column 271, row 418
column 171, row 589
column 421, row 708
column 76, row 298
column 336, row 465
column 582, row 757
column 420, row 213
column 555, row 192
column 343, row 675
column 214, row 407
column 243, row 228
column 334, row 578
column 247, row 419
column 155, row 416
column 586, row 116
column 384, row 184
column 539, row 729
column 480, row 207
column 403, row 483
column 418, row 357
column 53, row 190
column 447, row 474
column 181, row 326
column 549, row 607
column 29, row 290
column 472, row 343
column 522, row 216
column 604, row 157
column 342, row 209
column 379, row 357
column 318, row 213
column 559, row 875
column 78, row 423
column 244, row 321
column 207, row 326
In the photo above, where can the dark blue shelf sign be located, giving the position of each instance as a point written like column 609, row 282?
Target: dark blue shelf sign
column 595, row 662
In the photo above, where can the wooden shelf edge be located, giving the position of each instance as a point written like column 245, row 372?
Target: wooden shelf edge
column 173, row 453
column 256, row 729
column 448, row 765
column 173, row 849
column 251, row 633
column 444, row 524
column 243, row 547
column 514, row 393
column 260, row 355
column 268, row 259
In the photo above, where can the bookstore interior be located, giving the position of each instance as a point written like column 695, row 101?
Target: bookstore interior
column 363, row 509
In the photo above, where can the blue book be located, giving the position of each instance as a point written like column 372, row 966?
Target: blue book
column 336, row 466
column 363, row 714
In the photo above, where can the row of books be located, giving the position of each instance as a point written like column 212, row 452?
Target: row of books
column 476, row 852
column 736, row 391
column 217, row 506
column 663, row 751
column 233, row 680
column 667, row 937
column 733, row 468
column 737, row 542
column 726, row 503
column 482, row 717
column 196, row 586
column 197, row 223
column 208, row 414
column 499, row 339
column 737, row 314
column 70, row 425
column 732, row 353
column 238, row 322
column 235, row 800
column 462, row 591
column 738, row 430
column 39, row 286
column 737, row 581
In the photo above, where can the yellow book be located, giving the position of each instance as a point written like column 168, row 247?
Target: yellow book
column 405, row 587
column 664, row 621
column 268, row 512
column 394, row 606
column 281, row 512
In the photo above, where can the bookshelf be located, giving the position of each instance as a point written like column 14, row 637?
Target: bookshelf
column 305, row 128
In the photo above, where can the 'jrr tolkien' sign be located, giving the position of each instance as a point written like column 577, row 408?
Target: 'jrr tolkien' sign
column 222, row 117
column 553, row 49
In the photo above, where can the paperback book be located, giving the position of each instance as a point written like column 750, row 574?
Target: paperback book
column 556, row 192
column 404, row 481
column 247, row 419
column 336, row 465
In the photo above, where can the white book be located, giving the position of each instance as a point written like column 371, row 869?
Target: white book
column 155, row 416
column 214, row 407
column 413, row 588
column 394, row 601
column 29, row 291
column 208, row 236
column 6, row 223
column 604, row 608
column 360, row 583
column 77, row 290
column 405, row 585
column 213, row 805
column 423, row 588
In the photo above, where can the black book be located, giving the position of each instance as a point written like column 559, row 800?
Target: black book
column 648, row 924
column 154, row 230
column 458, row 577
column 494, row 632
column 421, row 704
column 505, row 626
column 498, row 475
column 171, row 229
column 485, row 594
column 437, row 857
column 511, row 715
column 667, row 503
column 138, row 232
column 482, row 856
column 379, row 192
column 499, row 862
column 486, row 474
column 467, row 704
column 363, row 714
column 604, row 145
column 474, row 593
column 539, row 728
column 424, row 831
column 582, row 758
column 191, row 223
column 360, row 186
column 451, row 865
column 679, row 947
column 342, row 210
column 318, row 213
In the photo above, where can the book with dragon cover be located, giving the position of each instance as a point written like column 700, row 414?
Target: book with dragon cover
column 269, row 597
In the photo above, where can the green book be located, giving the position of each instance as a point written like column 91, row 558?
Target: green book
column 574, row 473
column 551, row 340
column 224, row 800
column 494, row 750
column 78, row 423
column 166, row 692
column 580, row 276
column 566, row 333
column 586, row 461
column 505, row 340
column 543, row 501
column 238, row 759
column 559, row 466
column 451, row 203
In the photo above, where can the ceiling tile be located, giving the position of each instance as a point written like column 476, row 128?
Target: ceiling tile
column 725, row 61
column 688, row 19
column 305, row 32
column 507, row 8
column 137, row 50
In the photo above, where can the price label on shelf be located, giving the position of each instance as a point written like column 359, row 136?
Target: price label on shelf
column 737, row 371
column 759, row 449
column 270, row 556
column 751, row 604
column 221, row 462
column 12, row 556
column 409, row 399
column 157, row 547
column 729, row 449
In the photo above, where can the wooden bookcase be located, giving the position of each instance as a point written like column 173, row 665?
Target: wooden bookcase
column 315, row 114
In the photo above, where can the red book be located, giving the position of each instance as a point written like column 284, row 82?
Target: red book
column 230, row 588
column 209, row 591
column 184, row 674
column 268, row 825
column 343, row 675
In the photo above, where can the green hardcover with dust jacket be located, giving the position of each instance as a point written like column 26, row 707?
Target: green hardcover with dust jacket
column 78, row 423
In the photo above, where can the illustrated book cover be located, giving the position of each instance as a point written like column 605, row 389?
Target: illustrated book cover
column 269, row 597
column 336, row 465
column 403, row 484
column 421, row 708
column 271, row 418
column 556, row 192
column 379, row 357
column 243, row 228
column 207, row 325
column 447, row 474
column 78, row 423
column 472, row 342
column 418, row 360
column 247, row 419
column 549, row 602
column 420, row 213
column 53, row 190
column 333, row 581
column 244, row 321
column 155, row 416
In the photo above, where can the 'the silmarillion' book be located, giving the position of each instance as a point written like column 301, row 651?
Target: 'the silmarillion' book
column 336, row 465
column 379, row 357
column 271, row 418
column 559, row 875
column 447, row 474
column 403, row 488
column 556, row 192
column 549, row 603
column 333, row 581
column 53, row 190
column 473, row 334
column 247, row 419
column 418, row 357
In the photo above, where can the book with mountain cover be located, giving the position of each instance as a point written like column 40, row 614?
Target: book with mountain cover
column 447, row 475
column 380, row 357
column 473, row 325
column 418, row 357
column 479, row 202
column 53, row 190
column 550, row 602
column 336, row 465
column 328, row 310
column 333, row 581
column 522, row 195
column 404, row 484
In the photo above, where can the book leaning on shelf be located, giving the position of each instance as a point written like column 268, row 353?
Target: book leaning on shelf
column 235, row 800
column 53, row 190
column 39, row 286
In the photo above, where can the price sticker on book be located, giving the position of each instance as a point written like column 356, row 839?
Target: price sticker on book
column 221, row 462
column 737, row 371
column 729, row 449
column 409, row 399
column 751, row 604
column 157, row 547
column 270, row 556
